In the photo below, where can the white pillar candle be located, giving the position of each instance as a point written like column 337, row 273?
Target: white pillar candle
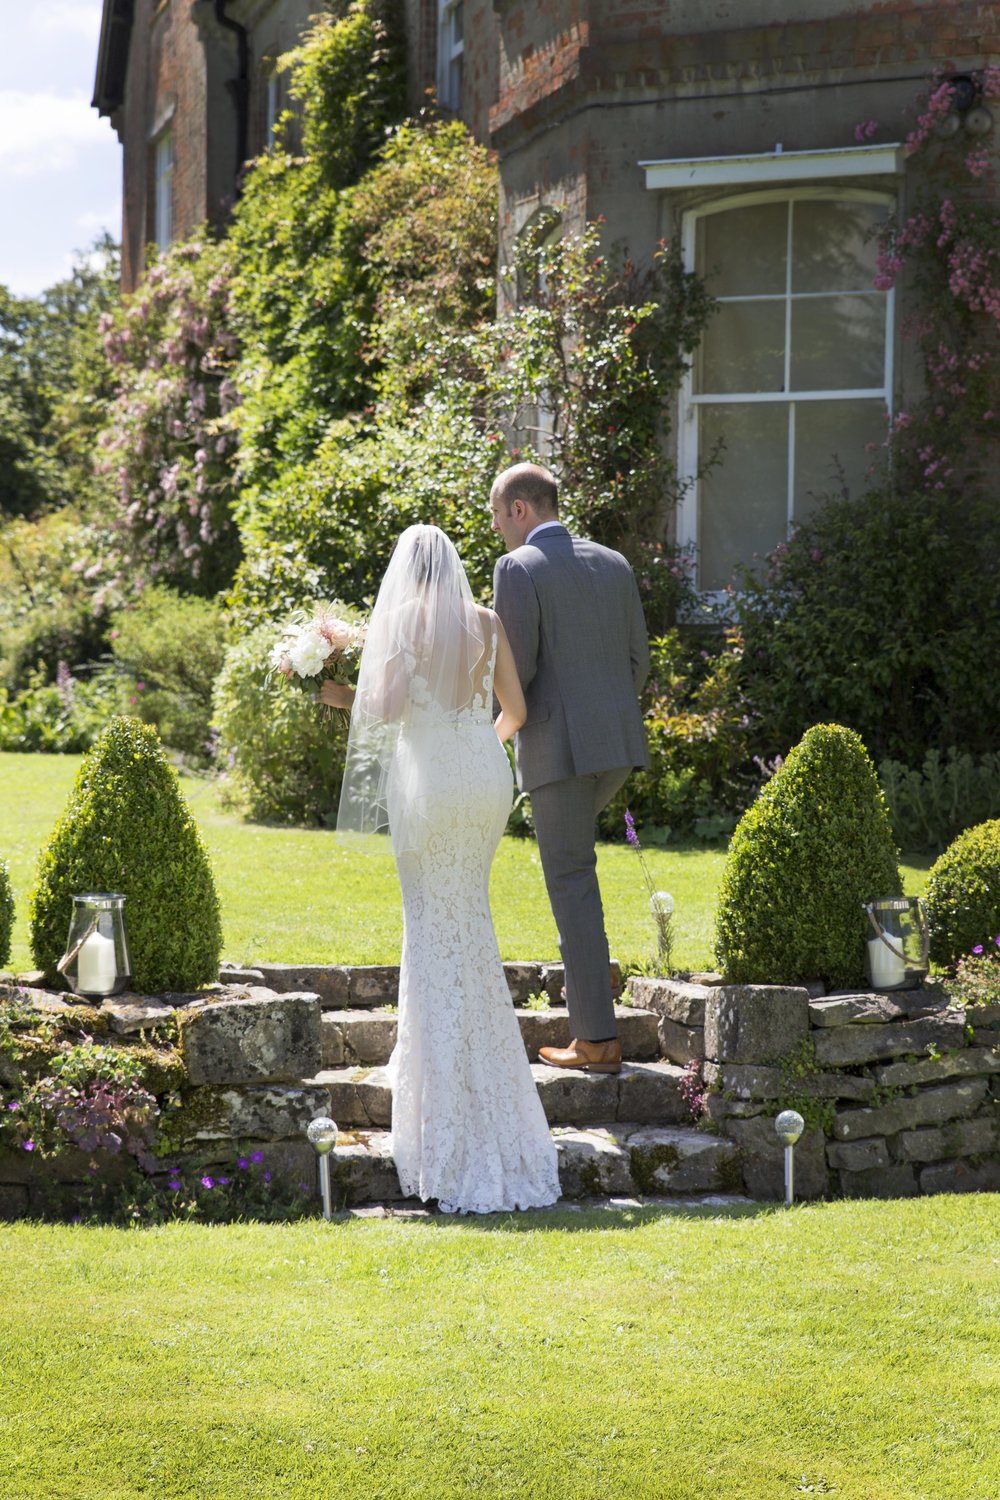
column 96, row 969
column 888, row 970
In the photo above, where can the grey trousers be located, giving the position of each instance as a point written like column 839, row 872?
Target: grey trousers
column 565, row 813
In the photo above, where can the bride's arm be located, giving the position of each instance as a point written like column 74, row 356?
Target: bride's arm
column 507, row 687
column 336, row 694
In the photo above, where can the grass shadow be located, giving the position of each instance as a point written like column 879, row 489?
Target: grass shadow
column 585, row 1219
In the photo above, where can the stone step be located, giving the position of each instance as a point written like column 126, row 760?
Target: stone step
column 643, row 1092
column 368, row 986
column 367, row 1037
column 610, row 1159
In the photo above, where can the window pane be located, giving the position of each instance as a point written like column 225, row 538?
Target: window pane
column 838, row 343
column 742, row 251
column 833, row 245
column 743, row 349
column 830, row 442
column 744, row 499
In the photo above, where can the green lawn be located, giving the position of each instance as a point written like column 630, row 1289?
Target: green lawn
column 294, row 896
column 848, row 1349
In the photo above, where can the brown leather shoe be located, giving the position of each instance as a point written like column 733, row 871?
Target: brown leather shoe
column 592, row 1057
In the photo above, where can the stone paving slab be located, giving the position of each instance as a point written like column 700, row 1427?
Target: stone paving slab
column 629, row 1165
column 644, row 1092
column 677, row 1000
column 367, row 1037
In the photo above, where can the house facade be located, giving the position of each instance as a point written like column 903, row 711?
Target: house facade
column 768, row 137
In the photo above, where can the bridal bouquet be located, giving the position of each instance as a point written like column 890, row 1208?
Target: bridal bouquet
column 317, row 647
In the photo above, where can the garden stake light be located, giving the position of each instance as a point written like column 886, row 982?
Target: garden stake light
column 322, row 1134
column 789, row 1126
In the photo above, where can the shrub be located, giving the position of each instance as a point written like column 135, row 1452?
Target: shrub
column 697, row 730
column 126, row 828
column 61, row 717
column 338, row 517
column 283, row 757
column 879, row 613
column 48, row 612
column 963, row 893
column 171, row 648
column 814, row 846
column 949, row 793
column 6, row 912
column 167, row 449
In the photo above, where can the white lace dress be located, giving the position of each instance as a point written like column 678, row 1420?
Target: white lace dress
column 468, row 1127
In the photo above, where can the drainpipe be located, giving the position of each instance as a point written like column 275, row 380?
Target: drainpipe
column 239, row 87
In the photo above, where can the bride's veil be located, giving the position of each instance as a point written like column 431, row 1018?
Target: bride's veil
column 423, row 660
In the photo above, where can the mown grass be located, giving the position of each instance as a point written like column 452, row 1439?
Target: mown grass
column 299, row 896
column 846, row 1349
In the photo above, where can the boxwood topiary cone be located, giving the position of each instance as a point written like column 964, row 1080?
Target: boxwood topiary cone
column 126, row 828
column 814, row 846
column 963, row 893
column 6, row 913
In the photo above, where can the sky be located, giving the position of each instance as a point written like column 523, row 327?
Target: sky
column 60, row 164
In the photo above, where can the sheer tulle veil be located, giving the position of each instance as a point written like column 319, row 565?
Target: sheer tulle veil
column 424, row 653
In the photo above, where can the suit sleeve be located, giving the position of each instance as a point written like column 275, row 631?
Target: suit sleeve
column 516, row 602
column 638, row 642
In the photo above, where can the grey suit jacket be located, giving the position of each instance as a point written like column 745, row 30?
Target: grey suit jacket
column 572, row 613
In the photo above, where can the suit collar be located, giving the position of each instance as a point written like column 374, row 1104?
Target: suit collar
column 544, row 530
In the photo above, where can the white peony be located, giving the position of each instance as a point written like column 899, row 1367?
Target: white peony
column 308, row 652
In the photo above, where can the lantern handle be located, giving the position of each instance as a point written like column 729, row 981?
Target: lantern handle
column 71, row 953
column 880, row 933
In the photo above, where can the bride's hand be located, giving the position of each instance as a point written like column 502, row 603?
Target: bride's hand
column 336, row 694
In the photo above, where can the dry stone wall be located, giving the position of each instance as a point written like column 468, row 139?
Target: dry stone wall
column 900, row 1092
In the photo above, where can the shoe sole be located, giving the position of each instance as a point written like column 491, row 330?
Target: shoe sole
column 583, row 1067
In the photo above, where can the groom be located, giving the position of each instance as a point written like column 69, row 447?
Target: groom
column 572, row 615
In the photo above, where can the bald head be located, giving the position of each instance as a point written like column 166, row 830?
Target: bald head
column 523, row 497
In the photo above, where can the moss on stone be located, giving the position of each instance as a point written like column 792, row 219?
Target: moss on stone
column 646, row 1161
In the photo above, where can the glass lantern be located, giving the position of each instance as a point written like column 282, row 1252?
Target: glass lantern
column 96, row 960
column 897, row 953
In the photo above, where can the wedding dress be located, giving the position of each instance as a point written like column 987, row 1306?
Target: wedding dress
column 468, row 1128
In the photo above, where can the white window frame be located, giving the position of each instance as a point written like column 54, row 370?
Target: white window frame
column 163, row 188
column 451, row 50
column 688, row 455
column 272, row 105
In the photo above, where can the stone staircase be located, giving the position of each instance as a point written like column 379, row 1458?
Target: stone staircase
column 623, row 1135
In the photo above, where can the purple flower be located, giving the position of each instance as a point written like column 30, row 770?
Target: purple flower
column 256, row 1157
column 267, row 1177
column 978, row 948
column 207, row 1182
column 630, row 832
column 223, row 1181
column 174, row 1186
column 29, row 1145
column 242, row 1163
column 14, row 1104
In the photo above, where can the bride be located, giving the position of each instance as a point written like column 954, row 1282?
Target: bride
column 425, row 760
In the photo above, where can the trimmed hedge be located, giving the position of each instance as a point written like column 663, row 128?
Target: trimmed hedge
column 126, row 828
column 963, row 893
column 814, row 846
column 6, row 912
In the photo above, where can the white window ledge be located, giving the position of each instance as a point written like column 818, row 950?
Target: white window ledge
column 774, row 166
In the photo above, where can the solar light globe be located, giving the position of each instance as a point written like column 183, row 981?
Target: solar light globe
column 789, row 1126
column 322, row 1133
